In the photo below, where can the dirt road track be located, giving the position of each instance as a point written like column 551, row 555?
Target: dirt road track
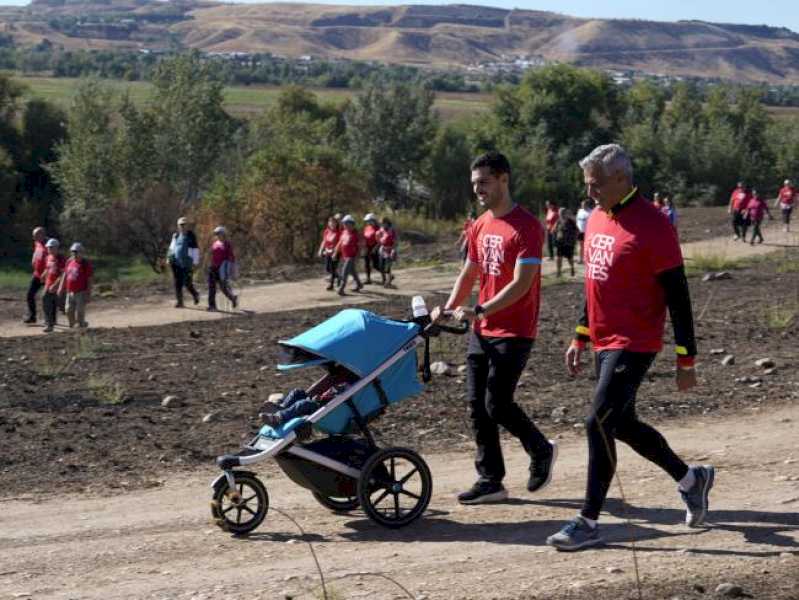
column 310, row 293
column 160, row 544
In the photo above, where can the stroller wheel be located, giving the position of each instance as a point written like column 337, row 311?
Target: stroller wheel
column 337, row 504
column 395, row 487
column 241, row 510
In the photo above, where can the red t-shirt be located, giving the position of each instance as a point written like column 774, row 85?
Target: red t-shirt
column 467, row 225
column 370, row 236
column 348, row 243
column 39, row 260
column 739, row 199
column 496, row 245
column 330, row 239
column 78, row 273
column 220, row 252
column 787, row 194
column 55, row 266
column 623, row 257
column 387, row 238
column 552, row 218
column 756, row 209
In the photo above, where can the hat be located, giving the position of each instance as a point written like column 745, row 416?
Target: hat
column 370, row 217
column 220, row 229
column 182, row 221
column 337, row 216
column 76, row 247
column 348, row 219
column 52, row 243
column 787, row 182
column 37, row 231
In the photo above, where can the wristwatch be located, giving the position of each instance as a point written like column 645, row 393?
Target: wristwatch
column 479, row 311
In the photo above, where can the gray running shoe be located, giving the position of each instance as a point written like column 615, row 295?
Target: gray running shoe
column 483, row 492
column 696, row 499
column 575, row 535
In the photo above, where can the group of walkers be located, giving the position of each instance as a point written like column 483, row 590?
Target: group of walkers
column 748, row 209
column 67, row 282
column 634, row 272
column 183, row 257
column 342, row 245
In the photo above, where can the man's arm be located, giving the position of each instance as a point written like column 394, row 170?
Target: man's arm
column 678, row 299
column 523, row 276
column 463, row 285
column 582, row 335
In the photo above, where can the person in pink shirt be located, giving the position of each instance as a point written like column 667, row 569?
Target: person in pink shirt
column 327, row 249
column 347, row 248
column 52, row 281
column 388, row 251
column 756, row 210
column 77, row 282
column 222, row 269
column 38, row 264
column 552, row 218
column 371, row 247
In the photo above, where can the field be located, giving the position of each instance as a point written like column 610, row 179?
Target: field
column 242, row 100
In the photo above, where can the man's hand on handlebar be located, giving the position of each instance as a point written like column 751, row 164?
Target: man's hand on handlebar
column 464, row 313
column 436, row 314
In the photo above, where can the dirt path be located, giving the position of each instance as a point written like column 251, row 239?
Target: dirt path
column 310, row 293
column 160, row 544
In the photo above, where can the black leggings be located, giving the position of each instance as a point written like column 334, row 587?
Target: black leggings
column 756, row 231
column 33, row 289
column 183, row 278
column 493, row 368
column 613, row 417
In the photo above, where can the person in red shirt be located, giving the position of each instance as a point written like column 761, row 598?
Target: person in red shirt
column 785, row 202
column 38, row 264
column 387, row 236
column 552, row 216
column 739, row 199
column 633, row 272
column 371, row 248
column 505, row 246
column 347, row 249
column 222, row 269
column 77, row 282
column 53, row 272
column 327, row 249
column 756, row 210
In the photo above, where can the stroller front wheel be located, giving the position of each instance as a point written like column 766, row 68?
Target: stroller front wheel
column 241, row 510
column 395, row 487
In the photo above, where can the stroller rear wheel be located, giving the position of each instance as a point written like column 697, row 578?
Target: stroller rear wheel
column 337, row 504
column 241, row 510
column 395, row 487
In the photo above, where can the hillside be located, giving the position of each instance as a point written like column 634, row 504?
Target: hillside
column 439, row 36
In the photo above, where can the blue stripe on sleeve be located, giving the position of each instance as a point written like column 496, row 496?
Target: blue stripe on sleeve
column 529, row 261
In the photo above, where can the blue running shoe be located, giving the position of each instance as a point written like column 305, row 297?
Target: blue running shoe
column 575, row 535
column 696, row 499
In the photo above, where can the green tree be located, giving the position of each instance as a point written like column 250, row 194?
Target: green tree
column 448, row 175
column 389, row 133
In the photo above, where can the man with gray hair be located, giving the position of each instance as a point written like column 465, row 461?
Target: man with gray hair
column 633, row 272
column 38, row 265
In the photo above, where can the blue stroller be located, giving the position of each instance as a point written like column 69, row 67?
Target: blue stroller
column 343, row 468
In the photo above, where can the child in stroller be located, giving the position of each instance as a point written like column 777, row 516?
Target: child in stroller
column 298, row 403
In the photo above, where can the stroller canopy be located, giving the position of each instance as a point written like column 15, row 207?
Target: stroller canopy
column 356, row 339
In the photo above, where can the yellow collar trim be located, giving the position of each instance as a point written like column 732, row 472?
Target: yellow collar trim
column 633, row 193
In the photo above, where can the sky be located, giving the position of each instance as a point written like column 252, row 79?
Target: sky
column 782, row 13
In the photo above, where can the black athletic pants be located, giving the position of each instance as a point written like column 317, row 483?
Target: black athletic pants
column 756, row 231
column 740, row 223
column 183, row 278
column 494, row 366
column 213, row 280
column 613, row 417
column 33, row 289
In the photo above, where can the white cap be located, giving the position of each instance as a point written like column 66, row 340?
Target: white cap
column 52, row 243
column 370, row 217
column 348, row 219
column 182, row 221
column 220, row 229
column 787, row 182
column 76, row 247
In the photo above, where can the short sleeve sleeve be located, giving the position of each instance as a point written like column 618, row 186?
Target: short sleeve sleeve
column 530, row 243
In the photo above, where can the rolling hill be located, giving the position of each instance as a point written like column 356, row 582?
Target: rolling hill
column 436, row 36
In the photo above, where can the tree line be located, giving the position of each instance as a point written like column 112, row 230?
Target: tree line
column 117, row 176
